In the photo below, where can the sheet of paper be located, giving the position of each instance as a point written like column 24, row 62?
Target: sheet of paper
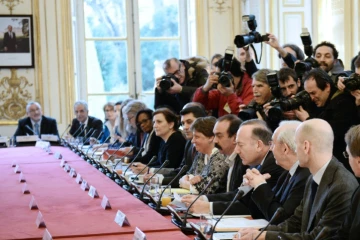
column 234, row 224
column 177, row 201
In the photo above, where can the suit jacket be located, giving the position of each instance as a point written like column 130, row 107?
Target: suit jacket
column 9, row 42
column 330, row 206
column 239, row 170
column 94, row 123
column 222, row 200
column 351, row 227
column 48, row 126
column 286, row 195
column 154, row 145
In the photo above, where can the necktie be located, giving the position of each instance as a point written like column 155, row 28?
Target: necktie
column 37, row 132
column 314, row 187
column 285, row 184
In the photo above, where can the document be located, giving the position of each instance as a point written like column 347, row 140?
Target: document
column 234, row 224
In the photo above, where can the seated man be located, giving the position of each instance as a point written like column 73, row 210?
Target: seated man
column 83, row 122
column 35, row 123
column 327, row 192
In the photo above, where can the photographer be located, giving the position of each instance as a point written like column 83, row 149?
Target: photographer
column 333, row 106
column 231, row 89
column 182, row 78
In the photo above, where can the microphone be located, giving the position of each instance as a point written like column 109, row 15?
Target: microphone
column 101, row 133
column 276, row 215
column 116, row 151
column 132, row 161
column 82, row 130
column 132, row 148
column 65, row 131
column 238, row 195
column 88, row 139
column 153, row 159
column 77, row 130
column 182, row 170
column 161, row 167
column 27, row 126
column 200, row 194
column 101, row 145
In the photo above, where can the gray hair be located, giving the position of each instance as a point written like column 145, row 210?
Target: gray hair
column 287, row 135
column 81, row 102
column 28, row 105
column 133, row 107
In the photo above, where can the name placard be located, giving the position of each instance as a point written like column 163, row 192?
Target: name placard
column 139, row 235
column 3, row 139
column 62, row 163
column 72, row 172
column 25, row 189
column 47, row 235
column 21, row 177
column 49, row 137
column 78, row 179
column 13, row 164
column 40, row 223
column 17, row 169
column 121, row 219
column 30, row 138
column 33, row 204
column 105, row 204
column 42, row 144
column 84, row 185
column 67, row 167
column 92, row 192
column 57, row 155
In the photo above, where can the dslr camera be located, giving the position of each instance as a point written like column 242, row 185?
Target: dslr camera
column 352, row 82
column 166, row 83
column 250, row 111
column 225, row 78
column 309, row 62
column 253, row 36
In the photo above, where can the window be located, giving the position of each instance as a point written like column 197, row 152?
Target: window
column 120, row 46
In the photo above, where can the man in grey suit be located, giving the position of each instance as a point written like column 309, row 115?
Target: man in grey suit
column 327, row 193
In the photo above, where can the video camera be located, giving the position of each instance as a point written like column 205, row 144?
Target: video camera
column 352, row 82
column 253, row 36
column 166, row 83
column 309, row 62
column 225, row 78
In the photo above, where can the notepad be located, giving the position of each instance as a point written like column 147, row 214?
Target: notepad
column 234, row 224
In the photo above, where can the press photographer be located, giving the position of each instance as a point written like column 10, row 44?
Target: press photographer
column 226, row 88
column 333, row 106
column 180, row 81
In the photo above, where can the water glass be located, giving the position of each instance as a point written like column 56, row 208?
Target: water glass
column 12, row 142
column 154, row 186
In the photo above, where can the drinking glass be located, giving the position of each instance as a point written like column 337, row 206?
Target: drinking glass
column 118, row 168
column 12, row 142
column 166, row 197
column 154, row 185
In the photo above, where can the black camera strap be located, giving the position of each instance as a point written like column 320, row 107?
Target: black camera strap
column 256, row 59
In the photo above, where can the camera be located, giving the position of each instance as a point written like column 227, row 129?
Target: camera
column 225, row 78
column 166, row 83
column 275, row 113
column 309, row 62
column 253, row 36
column 353, row 82
column 250, row 111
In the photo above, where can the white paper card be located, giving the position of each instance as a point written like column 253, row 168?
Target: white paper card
column 30, row 138
column 177, row 201
column 17, row 169
column 25, row 189
column 72, row 172
column 92, row 192
column 21, row 177
column 139, row 235
column 33, row 204
column 105, row 204
column 84, row 185
column 67, row 167
column 62, row 163
column 13, row 164
column 42, row 144
column 78, row 179
column 49, row 137
column 234, row 224
column 47, row 235
column 57, row 155
column 3, row 139
column 40, row 220
column 121, row 219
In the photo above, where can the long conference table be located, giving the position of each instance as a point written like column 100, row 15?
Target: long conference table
column 68, row 211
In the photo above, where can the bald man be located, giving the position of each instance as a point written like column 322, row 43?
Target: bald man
column 327, row 193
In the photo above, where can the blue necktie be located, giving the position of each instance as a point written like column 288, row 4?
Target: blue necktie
column 37, row 132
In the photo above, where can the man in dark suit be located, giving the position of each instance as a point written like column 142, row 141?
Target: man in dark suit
column 252, row 146
column 9, row 40
column 35, row 123
column 289, row 190
column 83, row 123
column 351, row 226
column 327, row 192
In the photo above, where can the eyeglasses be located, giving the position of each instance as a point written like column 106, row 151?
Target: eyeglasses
column 129, row 118
column 177, row 71
column 34, row 110
column 345, row 154
column 143, row 121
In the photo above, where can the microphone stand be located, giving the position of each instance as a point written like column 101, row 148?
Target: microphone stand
column 161, row 167
column 238, row 195
column 157, row 207
column 128, row 188
column 92, row 160
column 105, row 171
column 112, row 176
column 91, row 145
column 183, row 224
column 86, row 139
column 278, row 213
column 76, row 148
column 62, row 141
column 122, row 179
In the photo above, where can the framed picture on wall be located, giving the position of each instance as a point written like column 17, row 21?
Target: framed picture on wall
column 16, row 41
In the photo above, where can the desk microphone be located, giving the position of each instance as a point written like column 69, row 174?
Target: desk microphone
column 153, row 159
column 101, row 133
column 88, row 139
column 82, row 130
column 161, row 167
column 280, row 211
column 27, row 126
column 132, row 148
column 183, row 225
column 238, row 195
column 92, row 156
column 117, row 151
column 77, row 130
column 65, row 131
column 132, row 161
column 182, row 170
